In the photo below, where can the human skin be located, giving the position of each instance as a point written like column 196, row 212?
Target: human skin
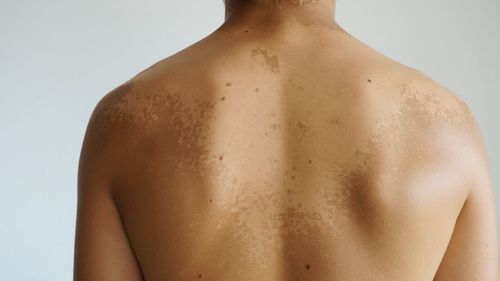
column 280, row 147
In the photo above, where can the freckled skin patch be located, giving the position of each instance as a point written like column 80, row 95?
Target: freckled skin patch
column 422, row 107
column 259, row 220
column 354, row 199
column 148, row 112
column 336, row 203
column 270, row 61
column 359, row 184
column 191, row 129
column 228, row 84
column 125, row 105
column 304, row 130
column 255, row 235
column 256, row 90
column 300, row 226
column 302, row 127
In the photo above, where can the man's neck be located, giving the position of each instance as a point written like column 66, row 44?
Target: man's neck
column 289, row 12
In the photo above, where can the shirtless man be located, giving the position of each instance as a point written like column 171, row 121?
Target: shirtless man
column 280, row 147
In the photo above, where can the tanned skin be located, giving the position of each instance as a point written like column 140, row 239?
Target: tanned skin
column 280, row 147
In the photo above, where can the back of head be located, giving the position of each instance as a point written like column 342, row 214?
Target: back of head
column 264, row 2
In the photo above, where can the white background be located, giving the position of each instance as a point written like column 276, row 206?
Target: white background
column 58, row 58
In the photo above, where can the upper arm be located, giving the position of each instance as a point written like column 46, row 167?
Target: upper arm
column 472, row 253
column 102, row 249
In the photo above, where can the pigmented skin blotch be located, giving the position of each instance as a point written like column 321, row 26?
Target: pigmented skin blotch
column 146, row 112
column 270, row 61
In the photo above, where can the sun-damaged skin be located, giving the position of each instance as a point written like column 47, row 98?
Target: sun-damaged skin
column 287, row 153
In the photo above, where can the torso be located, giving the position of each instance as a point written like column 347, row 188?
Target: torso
column 250, row 160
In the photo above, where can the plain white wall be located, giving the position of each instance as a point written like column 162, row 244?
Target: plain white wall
column 58, row 58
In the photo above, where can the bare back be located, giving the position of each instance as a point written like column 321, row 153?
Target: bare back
column 252, row 157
